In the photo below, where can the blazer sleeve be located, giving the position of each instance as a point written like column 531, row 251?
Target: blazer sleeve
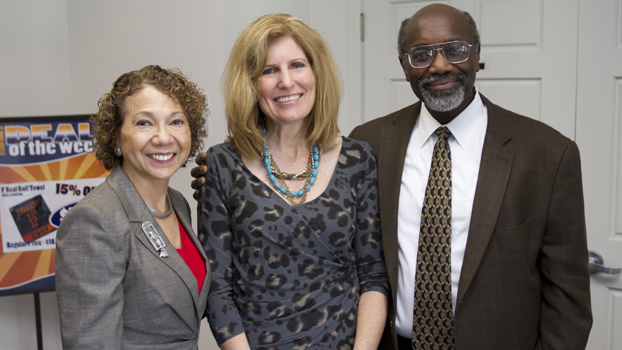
column 90, row 267
column 566, row 316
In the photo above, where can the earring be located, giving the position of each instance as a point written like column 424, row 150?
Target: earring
column 117, row 152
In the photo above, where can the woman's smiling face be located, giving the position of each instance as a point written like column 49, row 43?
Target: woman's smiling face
column 286, row 86
column 155, row 136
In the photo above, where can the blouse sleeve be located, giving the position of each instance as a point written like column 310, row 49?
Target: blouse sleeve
column 215, row 230
column 370, row 264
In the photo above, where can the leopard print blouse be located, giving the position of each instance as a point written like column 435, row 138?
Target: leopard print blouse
column 290, row 277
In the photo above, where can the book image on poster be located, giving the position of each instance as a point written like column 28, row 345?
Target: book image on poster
column 32, row 218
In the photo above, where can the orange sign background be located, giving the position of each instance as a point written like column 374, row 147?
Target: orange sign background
column 19, row 268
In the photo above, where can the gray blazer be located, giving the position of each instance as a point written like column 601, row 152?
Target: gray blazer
column 114, row 290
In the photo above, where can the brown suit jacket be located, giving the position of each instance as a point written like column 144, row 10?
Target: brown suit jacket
column 524, row 282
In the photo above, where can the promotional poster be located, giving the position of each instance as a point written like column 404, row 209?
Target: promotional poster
column 47, row 165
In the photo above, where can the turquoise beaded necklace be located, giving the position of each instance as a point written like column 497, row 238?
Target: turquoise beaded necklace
column 274, row 174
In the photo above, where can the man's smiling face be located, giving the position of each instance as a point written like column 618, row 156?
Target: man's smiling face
column 445, row 88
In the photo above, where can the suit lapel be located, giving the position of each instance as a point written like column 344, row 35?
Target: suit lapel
column 494, row 173
column 138, row 213
column 392, row 153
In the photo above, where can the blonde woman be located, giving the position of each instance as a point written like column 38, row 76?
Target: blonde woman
column 290, row 209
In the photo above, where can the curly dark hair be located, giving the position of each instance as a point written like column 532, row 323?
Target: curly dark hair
column 112, row 108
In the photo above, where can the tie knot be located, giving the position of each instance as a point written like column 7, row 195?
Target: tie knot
column 443, row 132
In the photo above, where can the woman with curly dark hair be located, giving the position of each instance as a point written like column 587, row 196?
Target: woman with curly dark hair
column 130, row 272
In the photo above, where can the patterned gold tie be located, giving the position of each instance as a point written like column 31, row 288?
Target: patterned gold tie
column 433, row 315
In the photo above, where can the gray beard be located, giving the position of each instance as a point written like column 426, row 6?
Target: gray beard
column 445, row 100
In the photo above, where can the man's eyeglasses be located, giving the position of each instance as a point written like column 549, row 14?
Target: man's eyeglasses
column 422, row 56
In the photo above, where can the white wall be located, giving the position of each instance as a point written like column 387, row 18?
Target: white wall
column 34, row 58
column 34, row 80
column 60, row 56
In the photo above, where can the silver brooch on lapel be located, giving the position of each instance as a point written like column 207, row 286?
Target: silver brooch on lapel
column 155, row 239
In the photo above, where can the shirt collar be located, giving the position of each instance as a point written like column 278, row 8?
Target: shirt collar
column 462, row 127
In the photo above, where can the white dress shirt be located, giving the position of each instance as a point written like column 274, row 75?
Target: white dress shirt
column 468, row 130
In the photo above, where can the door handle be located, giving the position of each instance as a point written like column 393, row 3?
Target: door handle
column 596, row 265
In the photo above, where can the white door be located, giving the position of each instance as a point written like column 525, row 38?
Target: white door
column 599, row 132
column 558, row 61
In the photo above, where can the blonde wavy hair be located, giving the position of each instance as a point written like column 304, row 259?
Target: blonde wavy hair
column 109, row 119
column 246, row 62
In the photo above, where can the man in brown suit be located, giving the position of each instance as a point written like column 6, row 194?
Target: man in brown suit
column 519, row 269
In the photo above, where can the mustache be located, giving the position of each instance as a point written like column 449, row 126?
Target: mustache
column 460, row 78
